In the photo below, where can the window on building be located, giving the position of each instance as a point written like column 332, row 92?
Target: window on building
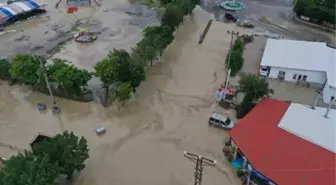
column 294, row 76
column 304, row 78
column 282, row 73
column 300, row 76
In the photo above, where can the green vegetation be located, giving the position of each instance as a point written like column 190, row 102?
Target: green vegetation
column 26, row 68
column 123, row 93
column 254, row 89
column 118, row 66
column 319, row 11
column 67, row 150
column 63, row 154
column 236, row 59
column 4, row 70
column 69, row 79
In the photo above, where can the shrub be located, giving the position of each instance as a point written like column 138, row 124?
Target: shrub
column 236, row 61
column 238, row 45
column 240, row 172
column 4, row 70
column 230, row 157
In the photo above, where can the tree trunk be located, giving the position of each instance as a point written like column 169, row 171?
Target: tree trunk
column 106, row 96
column 151, row 62
column 123, row 104
column 69, row 176
column 134, row 90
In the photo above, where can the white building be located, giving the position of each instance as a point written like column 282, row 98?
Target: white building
column 305, row 62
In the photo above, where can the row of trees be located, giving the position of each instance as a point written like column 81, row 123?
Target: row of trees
column 30, row 69
column 62, row 155
column 318, row 10
column 234, row 59
column 129, row 69
column 117, row 67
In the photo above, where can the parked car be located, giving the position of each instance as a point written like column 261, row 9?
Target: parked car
column 221, row 121
column 231, row 17
column 264, row 71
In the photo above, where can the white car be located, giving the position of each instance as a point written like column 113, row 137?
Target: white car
column 264, row 71
column 221, row 121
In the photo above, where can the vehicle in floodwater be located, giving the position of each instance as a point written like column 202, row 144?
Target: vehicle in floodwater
column 221, row 121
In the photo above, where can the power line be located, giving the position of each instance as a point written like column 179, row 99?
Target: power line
column 200, row 162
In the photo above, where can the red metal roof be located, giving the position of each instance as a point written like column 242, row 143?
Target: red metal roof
column 281, row 156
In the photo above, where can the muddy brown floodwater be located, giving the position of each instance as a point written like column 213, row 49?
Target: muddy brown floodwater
column 145, row 140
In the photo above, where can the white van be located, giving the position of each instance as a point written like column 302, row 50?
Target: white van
column 221, row 121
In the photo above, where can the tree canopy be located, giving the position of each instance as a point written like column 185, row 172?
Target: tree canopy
column 26, row 68
column 4, row 69
column 173, row 16
column 254, row 89
column 67, row 150
column 318, row 10
column 123, row 93
column 69, row 78
column 28, row 169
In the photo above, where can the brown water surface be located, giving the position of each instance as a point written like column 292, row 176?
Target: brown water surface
column 145, row 140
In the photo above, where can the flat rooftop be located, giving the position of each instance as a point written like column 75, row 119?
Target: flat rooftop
column 304, row 55
column 311, row 125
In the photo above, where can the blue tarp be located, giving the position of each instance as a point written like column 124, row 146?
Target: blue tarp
column 31, row 4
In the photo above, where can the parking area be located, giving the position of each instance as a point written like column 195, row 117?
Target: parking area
column 282, row 90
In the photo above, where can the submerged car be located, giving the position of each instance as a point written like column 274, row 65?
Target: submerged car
column 221, row 121
column 231, row 17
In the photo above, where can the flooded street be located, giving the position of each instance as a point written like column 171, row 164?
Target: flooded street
column 145, row 140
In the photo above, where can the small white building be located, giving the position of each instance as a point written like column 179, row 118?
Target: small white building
column 303, row 62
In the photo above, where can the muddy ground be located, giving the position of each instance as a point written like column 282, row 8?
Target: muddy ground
column 145, row 140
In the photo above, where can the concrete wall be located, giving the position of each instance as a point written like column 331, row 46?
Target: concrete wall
column 328, row 92
column 315, row 77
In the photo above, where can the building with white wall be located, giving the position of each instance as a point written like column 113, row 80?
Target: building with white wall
column 302, row 62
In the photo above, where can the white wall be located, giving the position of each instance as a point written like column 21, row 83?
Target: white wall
column 328, row 92
column 318, row 77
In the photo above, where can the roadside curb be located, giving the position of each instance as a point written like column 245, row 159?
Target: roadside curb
column 312, row 24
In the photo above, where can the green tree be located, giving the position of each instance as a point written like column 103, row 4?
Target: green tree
column 165, row 1
column 172, row 17
column 69, row 78
column 26, row 68
column 254, row 89
column 4, row 70
column 123, row 93
column 186, row 5
column 67, row 150
column 159, row 37
column 236, row 62
column 146, row 50
column 137, row 75
column 28, row 169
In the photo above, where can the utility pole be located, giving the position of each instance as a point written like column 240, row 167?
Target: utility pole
column 233, row 33
column 42, row 62
column 200, row 162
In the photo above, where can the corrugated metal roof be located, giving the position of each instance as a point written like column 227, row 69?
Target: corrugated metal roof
column 23, row 6
column 304, row 55
column 278, row 154
column 15, row 7
column 32, row 4
column 9, row 9
column 5, row 12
